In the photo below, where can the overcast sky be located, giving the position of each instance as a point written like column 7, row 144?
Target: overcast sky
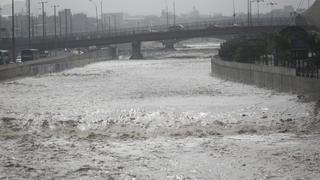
column 144, row 7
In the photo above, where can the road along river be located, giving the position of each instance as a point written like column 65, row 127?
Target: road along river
column 165, row 117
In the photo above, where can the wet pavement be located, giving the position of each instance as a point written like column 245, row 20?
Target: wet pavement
column 165, row 117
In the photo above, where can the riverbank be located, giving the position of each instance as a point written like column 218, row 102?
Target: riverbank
column 273, row 77
column 53, row 64
column 163, row 117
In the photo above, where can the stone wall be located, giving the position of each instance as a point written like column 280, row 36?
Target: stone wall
column 278, row 78
column 54, row 64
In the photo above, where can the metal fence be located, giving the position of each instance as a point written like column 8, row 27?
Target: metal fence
column 279, row 21
column 309, row 68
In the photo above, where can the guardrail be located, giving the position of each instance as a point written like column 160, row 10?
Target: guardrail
column 164, row 28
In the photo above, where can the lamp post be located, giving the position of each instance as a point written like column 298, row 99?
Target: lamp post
column 271, row 4
column 101, row 12
column 0, row 20
column 249, row 13
column 29, row 22
column 60, row 23
column 174, row 12
column 258, row 10
column 13, row 35
column 109, row 20
column 167, row 14
column 32, row 27
column 234, row 13
column 97, row 18
column 43, row 19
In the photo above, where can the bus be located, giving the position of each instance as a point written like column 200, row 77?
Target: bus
column 29, row 55
column 4, row 57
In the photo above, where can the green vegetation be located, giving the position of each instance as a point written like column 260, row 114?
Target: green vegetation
column 280, row 49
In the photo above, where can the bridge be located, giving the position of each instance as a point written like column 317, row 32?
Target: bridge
column 135, row 36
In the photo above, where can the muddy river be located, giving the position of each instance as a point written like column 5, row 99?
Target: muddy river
column 164, row 117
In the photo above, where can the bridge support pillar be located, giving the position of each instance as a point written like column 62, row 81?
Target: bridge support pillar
column 169, row 44
column 136, row 50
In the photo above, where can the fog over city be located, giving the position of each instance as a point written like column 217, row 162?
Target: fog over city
column 154, row 7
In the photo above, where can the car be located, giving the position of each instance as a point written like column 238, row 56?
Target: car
column 18, row 59
column 176, row 28
column 44, row 53
column 29, row 55
column 214, row 27
column 4, row 57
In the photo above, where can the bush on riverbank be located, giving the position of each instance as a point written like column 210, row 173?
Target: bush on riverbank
column 280, row 49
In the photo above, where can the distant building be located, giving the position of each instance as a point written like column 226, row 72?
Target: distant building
column 113, row 20
column 65, row 22
column 4, row 33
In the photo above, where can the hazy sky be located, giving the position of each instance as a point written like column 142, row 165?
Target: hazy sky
column 144, row 7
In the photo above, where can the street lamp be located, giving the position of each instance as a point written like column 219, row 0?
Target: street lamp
column 249, row 13
column 102, row 19
column 271, row 4
column 174, row 12
column 234, row 13
column 258, row 9
column 96, row 14
column 29, row 22
column 0, row 20
column 43, row 21
column 13, row 35
column 167, row 14
column 55, row 19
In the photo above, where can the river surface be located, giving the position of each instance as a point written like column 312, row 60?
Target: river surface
column 164, row 117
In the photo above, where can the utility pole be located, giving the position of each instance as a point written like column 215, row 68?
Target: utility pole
column 60, row 24
column 248, row 12
column 251, row 21
column 71, row 23
column 29, row 23
column 32, row 27
column 101, row 12
column 109, row 18
column 97, row 18
column 55, row 19
column 43, row 20
column 13, row 36
column 167, row 15
column 258, row 10
column 174, row 12
column 234, row 13
column 35, row 25
column 0, row 21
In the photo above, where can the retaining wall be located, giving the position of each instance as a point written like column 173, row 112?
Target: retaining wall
column 278, row 78
column 51, row 65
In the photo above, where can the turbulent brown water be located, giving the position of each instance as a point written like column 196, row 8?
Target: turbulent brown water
column 164, row 117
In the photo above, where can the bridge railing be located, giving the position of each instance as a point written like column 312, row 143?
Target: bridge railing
column 263, row 21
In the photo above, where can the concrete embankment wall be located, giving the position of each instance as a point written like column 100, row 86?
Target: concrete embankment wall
column 278, row 78
column 54, row 64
